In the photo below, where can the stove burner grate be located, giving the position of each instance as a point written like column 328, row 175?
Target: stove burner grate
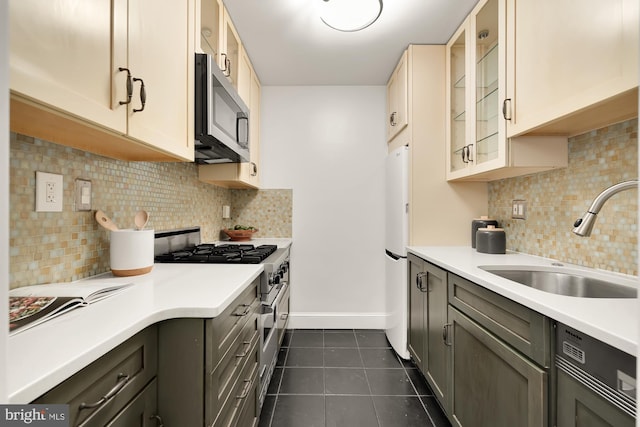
column 219, row 254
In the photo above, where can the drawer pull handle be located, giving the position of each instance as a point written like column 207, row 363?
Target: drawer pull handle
column 245, row 390
column 245, row 344
column 247, row 310
column 122, row 381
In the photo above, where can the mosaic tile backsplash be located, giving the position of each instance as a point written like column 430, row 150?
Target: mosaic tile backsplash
column 555, row 199
column 48, row 247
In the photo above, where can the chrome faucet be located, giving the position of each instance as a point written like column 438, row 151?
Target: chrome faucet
column 584, row 225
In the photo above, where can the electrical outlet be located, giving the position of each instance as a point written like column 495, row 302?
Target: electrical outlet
column 48, row 192
column 519, row 209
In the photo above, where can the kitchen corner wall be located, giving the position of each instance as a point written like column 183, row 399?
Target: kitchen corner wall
column 64, row 246
column 555, row 199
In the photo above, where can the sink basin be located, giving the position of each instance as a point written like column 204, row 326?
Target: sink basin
column 563, row 282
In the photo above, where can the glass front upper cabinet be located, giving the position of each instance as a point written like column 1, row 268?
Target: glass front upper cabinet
column 456, row 78
column 487, row 101
column 476, row 64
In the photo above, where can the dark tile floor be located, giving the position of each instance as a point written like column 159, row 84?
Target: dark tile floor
column 346, row 378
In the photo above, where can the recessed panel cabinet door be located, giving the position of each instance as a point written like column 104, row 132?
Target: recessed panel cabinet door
column 417, row 310
column 61, row 57
column 567, row 55
column 493, row 385
column 160, row 57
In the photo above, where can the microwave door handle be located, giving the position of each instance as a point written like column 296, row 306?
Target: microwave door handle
column 244, row 143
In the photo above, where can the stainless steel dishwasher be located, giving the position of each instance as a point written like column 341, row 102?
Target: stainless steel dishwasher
column 596, row 383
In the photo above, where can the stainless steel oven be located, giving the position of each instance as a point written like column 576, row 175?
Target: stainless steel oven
column 274, row 315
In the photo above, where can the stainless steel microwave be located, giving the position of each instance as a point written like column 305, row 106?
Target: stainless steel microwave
column 221, row 117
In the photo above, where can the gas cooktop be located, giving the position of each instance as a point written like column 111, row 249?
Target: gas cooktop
column 219, row 254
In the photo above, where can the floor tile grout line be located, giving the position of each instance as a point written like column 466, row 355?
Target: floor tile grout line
column 373, row 402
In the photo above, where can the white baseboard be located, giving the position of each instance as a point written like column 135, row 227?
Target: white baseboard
column 302, row 320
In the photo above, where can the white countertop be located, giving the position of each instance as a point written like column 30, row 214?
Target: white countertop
column 611, row 320
column 41, row 357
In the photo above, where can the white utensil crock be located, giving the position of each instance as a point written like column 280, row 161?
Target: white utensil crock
column 131, row 252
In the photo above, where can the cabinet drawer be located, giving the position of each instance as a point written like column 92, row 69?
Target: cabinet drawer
column 220, row 382
column 223, row 330
column 249, row 415
column 524, row 329
column 243, row 391
column 118, row 375
column 141, row 411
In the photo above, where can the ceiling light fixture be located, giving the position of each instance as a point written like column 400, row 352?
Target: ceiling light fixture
column 350, row 15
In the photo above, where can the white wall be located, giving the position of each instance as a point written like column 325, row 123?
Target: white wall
column 327, row 143
column 4, row 194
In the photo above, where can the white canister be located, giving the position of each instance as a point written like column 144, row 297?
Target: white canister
column 131, row 252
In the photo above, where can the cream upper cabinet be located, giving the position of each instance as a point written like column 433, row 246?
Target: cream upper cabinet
column 51, row 43
column 219, row 38
column 397, row 113
column 162, row 68
column 246, row 174
column 69, row 77
column 572, row 66
column 477, row 145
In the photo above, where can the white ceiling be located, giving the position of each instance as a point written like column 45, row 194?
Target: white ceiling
column 289, row 45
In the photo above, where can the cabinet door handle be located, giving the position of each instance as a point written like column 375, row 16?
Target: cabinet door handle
column 129, row 86
column 254, row 169
column 468, row 147
column 123, row 379
column 504, row 108
column 420, row 281
column 464, row 154
column 158, row 419
column 227, row 65
column 392, row 119
column 446, row 335
column 143, row 95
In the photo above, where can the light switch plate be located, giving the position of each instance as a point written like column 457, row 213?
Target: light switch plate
column 48, row 192
column 83, row 195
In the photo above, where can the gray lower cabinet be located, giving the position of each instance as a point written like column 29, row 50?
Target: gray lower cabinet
column 493, row 385
column 428, row 342
column 500, row 360
column 578, row 406
column 208, row 368
column 116, row 389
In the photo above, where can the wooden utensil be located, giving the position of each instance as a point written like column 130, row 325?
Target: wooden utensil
column 141, row 219
column 105, row 221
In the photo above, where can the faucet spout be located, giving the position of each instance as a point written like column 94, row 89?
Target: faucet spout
column 584, row 225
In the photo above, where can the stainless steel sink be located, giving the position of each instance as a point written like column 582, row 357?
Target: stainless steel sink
column 563, row 282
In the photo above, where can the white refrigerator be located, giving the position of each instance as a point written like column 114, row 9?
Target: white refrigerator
column 396, row 241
